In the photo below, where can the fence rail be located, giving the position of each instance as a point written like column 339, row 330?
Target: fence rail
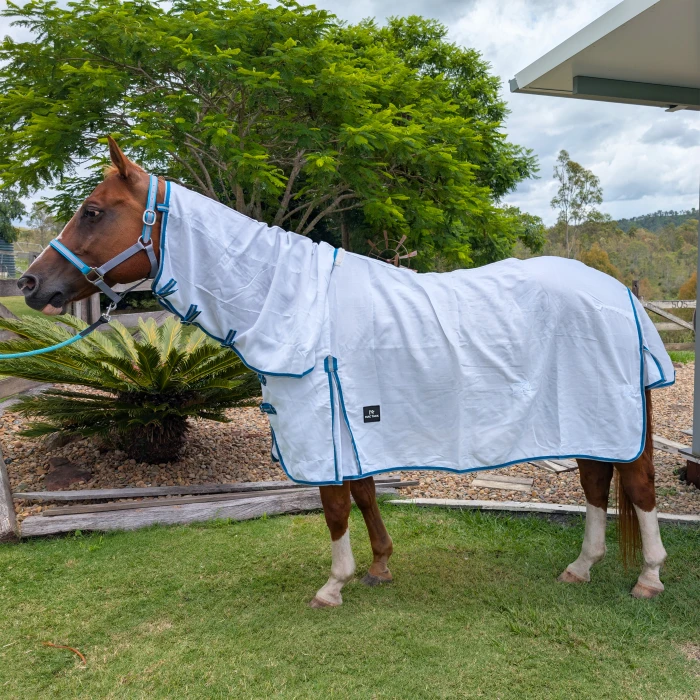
column 670, row 321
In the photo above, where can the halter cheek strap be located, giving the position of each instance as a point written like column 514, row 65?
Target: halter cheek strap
column 144, row 243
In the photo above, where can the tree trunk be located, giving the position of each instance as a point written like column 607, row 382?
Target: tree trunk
column 9, row 530
column 344, row 233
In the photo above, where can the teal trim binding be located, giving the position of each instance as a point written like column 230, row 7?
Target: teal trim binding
column 332, row 397
column 268, row 408
column 289, row 476
column 347, row 420
column 229, row 340
column 661, row 382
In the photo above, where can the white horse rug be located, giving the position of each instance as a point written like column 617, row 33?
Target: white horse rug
column 368, row 368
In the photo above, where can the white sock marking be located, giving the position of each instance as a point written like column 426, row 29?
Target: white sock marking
column 593, row 549
column 342, row 570
column 652, row 548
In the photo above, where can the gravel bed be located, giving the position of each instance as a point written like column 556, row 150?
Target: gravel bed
column 214, row 453
column 240, row 451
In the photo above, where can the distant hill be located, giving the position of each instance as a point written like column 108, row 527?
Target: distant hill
column 656, row 221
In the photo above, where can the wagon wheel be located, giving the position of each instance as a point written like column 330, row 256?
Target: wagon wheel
column 392, row 252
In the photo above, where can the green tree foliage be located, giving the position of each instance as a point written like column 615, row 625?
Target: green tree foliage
column 689, row 288
column 658, row 220
column 598, row 258
column 140, row 393
column 662, row 262
column 280, row 111
column 578, row 193
column 11, row 209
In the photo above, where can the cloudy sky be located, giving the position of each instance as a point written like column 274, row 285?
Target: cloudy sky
column 646, row 159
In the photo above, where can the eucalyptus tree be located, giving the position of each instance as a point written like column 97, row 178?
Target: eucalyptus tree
column 578, row 194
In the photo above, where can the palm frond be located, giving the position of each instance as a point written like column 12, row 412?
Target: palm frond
column 148, row 387
column 149, row 330
column 169, row 335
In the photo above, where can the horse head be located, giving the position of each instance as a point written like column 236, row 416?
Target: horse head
column 108, row 222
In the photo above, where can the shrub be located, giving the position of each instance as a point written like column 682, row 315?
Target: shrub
column 140, row 393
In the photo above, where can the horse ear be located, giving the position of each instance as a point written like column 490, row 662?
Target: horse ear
column 119, row 160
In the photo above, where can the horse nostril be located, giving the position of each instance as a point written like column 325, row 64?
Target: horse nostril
column 27, row 283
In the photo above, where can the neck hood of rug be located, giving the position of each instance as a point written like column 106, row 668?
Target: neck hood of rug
column 260, row 290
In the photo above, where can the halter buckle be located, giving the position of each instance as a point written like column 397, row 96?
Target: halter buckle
column 149, row 217
column 98, row 275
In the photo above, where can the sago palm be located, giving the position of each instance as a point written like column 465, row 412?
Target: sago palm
column 145, row 389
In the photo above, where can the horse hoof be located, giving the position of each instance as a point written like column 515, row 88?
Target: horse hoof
column 376, row 580
column 643, row 592
column 319, row 603
column 568, row 576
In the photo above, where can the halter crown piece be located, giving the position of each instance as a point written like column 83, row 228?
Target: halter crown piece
column 95, row 275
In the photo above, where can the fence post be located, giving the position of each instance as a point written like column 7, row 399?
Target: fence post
column 93, row 307
column 9, row 530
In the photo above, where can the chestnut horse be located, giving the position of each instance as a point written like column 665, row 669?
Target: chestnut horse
column 110, row 220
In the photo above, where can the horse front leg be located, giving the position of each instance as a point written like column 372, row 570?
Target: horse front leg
column 365, row 495
column 336, row 508
column 595, row 479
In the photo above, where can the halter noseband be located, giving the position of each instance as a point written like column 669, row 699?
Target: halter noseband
column 144, row 243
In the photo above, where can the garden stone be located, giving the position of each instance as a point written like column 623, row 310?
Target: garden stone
column 56, row 440
column 63, row 474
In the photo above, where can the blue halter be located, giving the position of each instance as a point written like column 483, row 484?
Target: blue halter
column 144, row 244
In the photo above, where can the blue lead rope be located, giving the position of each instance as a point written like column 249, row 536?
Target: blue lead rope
column 78, row 336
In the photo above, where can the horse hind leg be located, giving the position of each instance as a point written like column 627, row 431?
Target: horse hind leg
column 637, row 497
column 365, row 495
column 595, row 479
column 336, row 508
column 638, row 517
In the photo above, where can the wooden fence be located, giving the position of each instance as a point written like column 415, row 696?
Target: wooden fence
column 671, row 322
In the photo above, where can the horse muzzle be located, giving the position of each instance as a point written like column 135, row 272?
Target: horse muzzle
column 41, row 297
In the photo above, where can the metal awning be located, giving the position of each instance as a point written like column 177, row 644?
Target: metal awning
column 640, row 52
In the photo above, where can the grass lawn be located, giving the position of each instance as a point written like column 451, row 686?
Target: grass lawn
column 18, row 307
column 219, row 610
column 682, row 356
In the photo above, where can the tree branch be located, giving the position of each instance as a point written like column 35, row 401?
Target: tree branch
column 328, row 210
column 210, row 185
column 296, row 169
column 189, row 169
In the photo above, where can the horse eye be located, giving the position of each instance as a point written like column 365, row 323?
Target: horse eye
column 92, row 213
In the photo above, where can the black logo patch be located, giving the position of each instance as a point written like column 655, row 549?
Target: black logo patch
column 371, row 414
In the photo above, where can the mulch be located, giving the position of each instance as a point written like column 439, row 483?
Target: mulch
column 240, row 451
